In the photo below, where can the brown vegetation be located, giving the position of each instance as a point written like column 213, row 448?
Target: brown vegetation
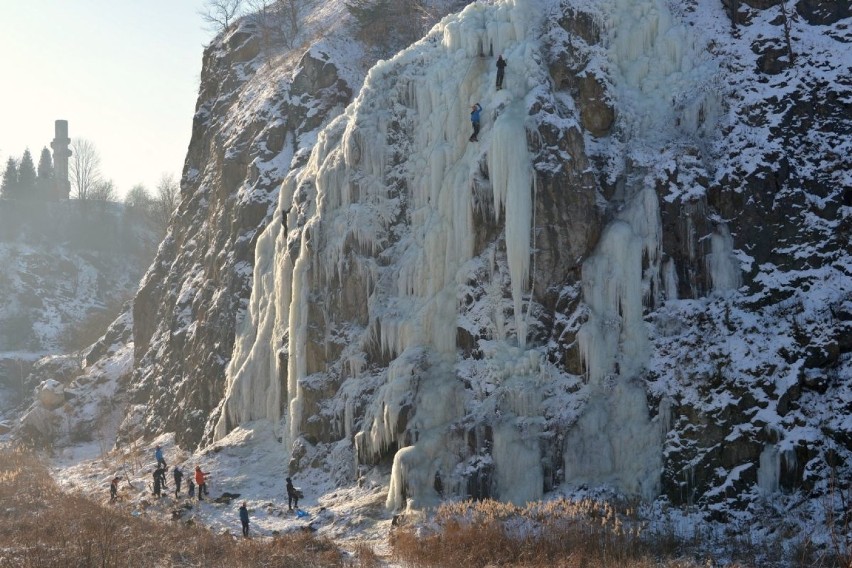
column 42, row 527
column 566, row 534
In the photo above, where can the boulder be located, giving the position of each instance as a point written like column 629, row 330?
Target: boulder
column 50, row 394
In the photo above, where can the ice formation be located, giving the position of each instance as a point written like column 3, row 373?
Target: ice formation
column 661, row 79
column 722, row 265
column 769, row 472
column 429, row 89
column 344, row 210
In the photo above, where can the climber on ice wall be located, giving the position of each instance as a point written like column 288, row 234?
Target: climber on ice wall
column 474, row 120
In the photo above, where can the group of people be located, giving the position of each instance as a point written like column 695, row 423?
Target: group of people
column 199, row 481
column 476, row 109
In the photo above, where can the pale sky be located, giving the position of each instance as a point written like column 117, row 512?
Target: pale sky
column 123, row 73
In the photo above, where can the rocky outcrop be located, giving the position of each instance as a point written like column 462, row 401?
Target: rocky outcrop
column 824, row 12
column 195, row 293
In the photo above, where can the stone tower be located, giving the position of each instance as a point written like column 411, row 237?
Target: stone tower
column 61, row 153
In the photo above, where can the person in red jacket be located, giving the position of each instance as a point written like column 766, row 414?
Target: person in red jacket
column 201, row 482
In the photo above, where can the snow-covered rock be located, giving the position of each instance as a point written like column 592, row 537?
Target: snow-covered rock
column 50, row 394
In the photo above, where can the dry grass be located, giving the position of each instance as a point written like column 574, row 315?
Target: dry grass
column 42, row 527
column 558, row 534
column 553, row 534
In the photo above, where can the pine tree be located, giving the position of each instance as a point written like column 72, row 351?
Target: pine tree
column 26, row 177
column 9, row 189
column 45, row 176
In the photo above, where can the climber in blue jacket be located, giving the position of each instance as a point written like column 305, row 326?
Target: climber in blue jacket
column 158, row 455
column 474, row 120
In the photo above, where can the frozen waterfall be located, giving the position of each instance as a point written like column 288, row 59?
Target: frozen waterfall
column 661, row 77
column 349, row 202
column 383, row 212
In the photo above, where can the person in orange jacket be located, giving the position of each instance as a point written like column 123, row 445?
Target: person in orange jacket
column 201, row 482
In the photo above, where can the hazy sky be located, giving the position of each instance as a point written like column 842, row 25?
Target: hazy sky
column 123, row 73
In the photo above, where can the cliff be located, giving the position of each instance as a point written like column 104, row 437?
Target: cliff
column 638, row 277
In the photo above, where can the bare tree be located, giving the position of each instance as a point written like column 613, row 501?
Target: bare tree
column 168, row 194
column 278, row 20
column 138, row 201
column 219, row 14
column 787, row 26
column 84, row 167
column 103, row 191
column 289, row 11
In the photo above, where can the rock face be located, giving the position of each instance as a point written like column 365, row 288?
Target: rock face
column 195, row 293
column 393, row 317
column 82, row 396
column 631, row 279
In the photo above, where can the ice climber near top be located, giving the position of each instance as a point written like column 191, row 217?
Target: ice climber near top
column 474, row 120
column 501, row 68
column 244, row 519
column 158, row 455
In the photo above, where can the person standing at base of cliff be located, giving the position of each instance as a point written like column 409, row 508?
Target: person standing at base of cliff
column 158, row 455
column 113, row 489
column 178, row 475
column 159, row 474
column 501, row 68
column 474, row 121
column 292, row 495
column 201, row 482
column 190, row 487
column 244, row 519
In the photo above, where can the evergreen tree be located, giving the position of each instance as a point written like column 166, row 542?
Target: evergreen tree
column 26, row 177
column 9, row 188
column 45, row 175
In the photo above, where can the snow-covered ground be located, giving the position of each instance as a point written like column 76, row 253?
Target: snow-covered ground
column 249, row 463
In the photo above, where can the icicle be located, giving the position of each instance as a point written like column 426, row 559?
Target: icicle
column 518, row 472
column 670, row 281
column 769, row 472
column 722, row 265
column 511, row 181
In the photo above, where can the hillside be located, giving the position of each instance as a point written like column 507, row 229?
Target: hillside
column 68, row 267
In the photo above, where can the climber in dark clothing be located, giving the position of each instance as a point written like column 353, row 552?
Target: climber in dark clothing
column 113, row 489
column 159, row 476
column 501, row 68
column 284, row 215
column 474, row 120
column 292, row 495
column 439, row 485
column 244, row 519
column 178, row 475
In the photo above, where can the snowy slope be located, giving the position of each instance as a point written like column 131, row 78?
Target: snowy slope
column 67, row 269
